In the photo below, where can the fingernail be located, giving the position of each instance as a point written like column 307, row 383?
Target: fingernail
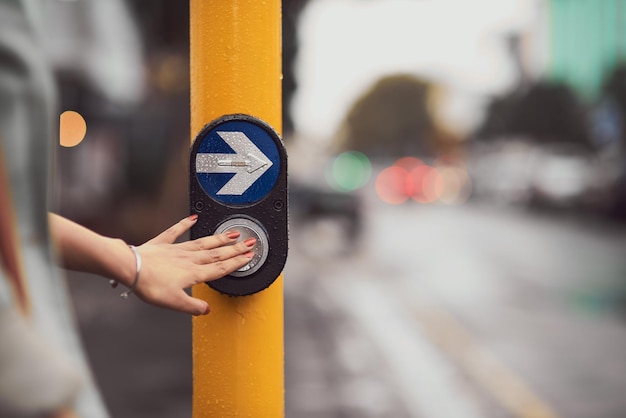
column 250, row 242
column 233, row 234
column 193, row 217
column 249, row 254
column 207, row 310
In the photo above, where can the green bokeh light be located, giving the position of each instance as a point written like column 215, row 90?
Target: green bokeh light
column 349, row 171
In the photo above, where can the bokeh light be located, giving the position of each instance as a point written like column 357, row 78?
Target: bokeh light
column 457, row 185
column 72, row 128
column 428, row 184
column 416, row 180
column 391, row 185
column 349, row 171
column 408, row 163
column 410, row 178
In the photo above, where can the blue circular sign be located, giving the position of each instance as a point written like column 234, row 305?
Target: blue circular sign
column 237, row 162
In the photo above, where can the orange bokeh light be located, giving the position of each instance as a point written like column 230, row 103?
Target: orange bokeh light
column 433, row 185
column 72, row 128
column 457, row 185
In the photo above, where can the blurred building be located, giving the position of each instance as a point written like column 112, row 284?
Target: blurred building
column 587, row 40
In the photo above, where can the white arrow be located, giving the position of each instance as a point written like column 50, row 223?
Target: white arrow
column 248, row 163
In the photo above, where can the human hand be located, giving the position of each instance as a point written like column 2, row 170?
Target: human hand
column 168, row 268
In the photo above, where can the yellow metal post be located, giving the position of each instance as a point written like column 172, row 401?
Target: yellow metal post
column 238, row 349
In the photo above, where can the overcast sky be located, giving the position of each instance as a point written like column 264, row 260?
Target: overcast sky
column 346, row 45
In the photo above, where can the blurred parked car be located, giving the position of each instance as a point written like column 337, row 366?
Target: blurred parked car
column 323, row 221
column 561, row 175
column 502, row 173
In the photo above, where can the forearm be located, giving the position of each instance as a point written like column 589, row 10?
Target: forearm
column 167, row 268
column 81, row 249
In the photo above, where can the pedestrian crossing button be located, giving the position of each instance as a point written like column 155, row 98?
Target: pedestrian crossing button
column 248, row 228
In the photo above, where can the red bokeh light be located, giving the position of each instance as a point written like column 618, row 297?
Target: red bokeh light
column 408, row 163
column 391, row 185
column 411, row 178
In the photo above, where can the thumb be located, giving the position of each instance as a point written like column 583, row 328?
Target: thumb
column 194, row 306
column 170, row 235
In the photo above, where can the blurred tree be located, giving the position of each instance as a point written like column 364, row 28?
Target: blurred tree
column 497, row 122
column 543, row 112
column 550, row 112
column 390, row 120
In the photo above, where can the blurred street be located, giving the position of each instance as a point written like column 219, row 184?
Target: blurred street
column 468, row 311
column 457, row 203
column 481, row 312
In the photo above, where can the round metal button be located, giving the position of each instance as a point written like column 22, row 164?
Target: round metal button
column 248, row 229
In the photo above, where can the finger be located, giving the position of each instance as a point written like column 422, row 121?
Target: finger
column 170, row 235
column 190, row 305
column 225, row 252
column 214, row 271
column 211, row 241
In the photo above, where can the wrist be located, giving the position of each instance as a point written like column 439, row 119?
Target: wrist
column 125, row 267
column 137, row 272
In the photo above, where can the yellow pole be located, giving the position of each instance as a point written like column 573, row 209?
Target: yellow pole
column 238, row 349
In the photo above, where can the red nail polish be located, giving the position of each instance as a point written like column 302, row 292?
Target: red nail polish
column 193, row 217
column 250, row 242
column 233, row 234
column 249, row 254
